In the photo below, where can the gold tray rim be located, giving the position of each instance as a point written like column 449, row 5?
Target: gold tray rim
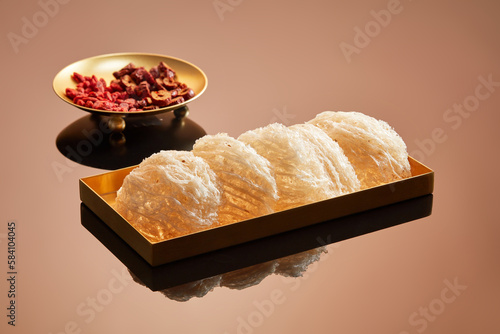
column 97, row 190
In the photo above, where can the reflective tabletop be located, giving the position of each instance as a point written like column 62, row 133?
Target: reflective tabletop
column 428, row 264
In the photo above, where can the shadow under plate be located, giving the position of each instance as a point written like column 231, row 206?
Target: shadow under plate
column 89, row 141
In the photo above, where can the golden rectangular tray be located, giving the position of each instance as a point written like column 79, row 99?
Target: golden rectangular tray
column 99, row 192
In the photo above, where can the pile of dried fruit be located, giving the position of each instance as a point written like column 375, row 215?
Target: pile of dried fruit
column 133, row 89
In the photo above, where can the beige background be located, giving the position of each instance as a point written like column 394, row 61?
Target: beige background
column 267, row 61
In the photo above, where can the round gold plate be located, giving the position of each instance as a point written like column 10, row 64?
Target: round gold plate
column 103, row 67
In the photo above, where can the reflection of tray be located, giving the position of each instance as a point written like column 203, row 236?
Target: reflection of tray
column 258, row 251
column 99, row 193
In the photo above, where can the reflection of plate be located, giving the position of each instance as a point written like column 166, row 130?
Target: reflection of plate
column 104, row 66
column 88, row 142
column 99, row 193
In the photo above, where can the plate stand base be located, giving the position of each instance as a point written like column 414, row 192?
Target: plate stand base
column 89, row 140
